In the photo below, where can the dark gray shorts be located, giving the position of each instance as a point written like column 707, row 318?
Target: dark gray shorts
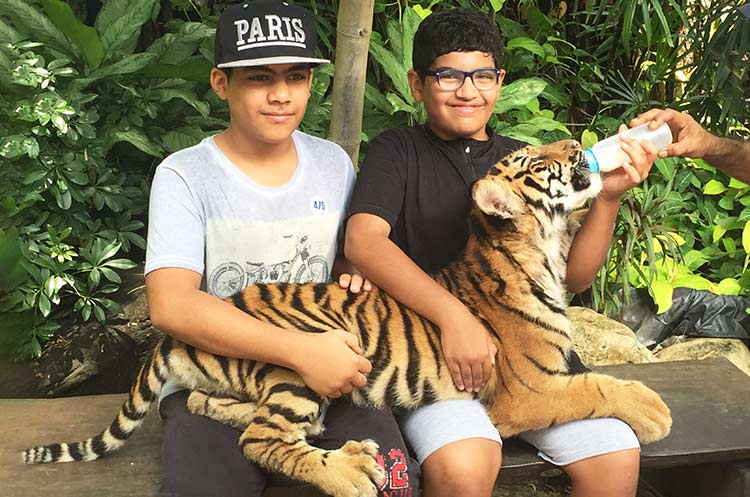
column 201, row 457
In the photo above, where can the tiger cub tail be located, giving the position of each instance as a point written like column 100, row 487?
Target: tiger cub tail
column 143, row 393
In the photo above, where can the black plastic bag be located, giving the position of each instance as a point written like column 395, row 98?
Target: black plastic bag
column 694, row 313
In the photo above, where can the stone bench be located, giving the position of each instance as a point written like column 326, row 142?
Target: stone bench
column 710, row 402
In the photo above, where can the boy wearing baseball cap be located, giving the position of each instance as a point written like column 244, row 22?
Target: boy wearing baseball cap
column 260, row 202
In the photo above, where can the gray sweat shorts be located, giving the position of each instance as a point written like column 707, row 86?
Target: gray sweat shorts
column 433, row 426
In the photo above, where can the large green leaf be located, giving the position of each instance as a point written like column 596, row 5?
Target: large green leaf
column 519, row 93
column 111, row 11
column 497, row 4
column 377, row 99
column 661, row 292
column 175, row 48
column 123, row 32
column 8, row 34
column 411, row 24
column 393, row 68
column 714, row 187
column 183, row 137
column 527, row 44
column 138, row 140
column 128, row 65
column 588, row 138
column 547, row 124
column 396, row 40
column 167, row 94
column 693, row 281
column 85, row 37
column 729, row 286
column 746, row 237
column 37, row 26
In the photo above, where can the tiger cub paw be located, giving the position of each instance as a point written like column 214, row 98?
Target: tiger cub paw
column 354, row 471
column 647, row 414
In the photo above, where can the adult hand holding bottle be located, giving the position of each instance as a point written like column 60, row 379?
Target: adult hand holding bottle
column 692, row 140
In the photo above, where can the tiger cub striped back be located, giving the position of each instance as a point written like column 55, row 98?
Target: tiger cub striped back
column 511, row 275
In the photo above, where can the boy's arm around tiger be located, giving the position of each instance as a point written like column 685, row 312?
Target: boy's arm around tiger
column 329, row 363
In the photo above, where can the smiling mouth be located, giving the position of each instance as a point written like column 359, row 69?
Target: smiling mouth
column 466, row 108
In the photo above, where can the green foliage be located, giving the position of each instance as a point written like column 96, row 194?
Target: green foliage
column 88, row 108
column 82, row 127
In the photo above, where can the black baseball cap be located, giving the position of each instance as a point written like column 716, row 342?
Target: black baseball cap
column 265, row 32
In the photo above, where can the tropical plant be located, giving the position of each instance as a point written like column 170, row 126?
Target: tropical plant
column 85, row 117
column 93, row 96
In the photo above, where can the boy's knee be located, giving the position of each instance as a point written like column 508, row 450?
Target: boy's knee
column 468, row 468
column 622, row 468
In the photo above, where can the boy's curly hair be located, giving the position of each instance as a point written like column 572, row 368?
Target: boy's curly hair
column 455, row 30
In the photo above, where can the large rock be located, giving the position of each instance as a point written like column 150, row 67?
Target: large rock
column 703, row 348
column 600, row 340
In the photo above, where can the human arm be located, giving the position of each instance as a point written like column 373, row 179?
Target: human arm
column 591, row 243
column 691, row 140
column 466, row 344
column 329, row 363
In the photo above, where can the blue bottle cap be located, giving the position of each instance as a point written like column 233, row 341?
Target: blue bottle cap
column 591, row 160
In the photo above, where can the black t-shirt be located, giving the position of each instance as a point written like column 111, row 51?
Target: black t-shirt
column 421, row 185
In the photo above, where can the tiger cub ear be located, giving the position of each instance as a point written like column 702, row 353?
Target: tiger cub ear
column 495, row 198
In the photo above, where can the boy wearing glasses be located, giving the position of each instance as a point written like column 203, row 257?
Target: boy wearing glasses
column 408, row 218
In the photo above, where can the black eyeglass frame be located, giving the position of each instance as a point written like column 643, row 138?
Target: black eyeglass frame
column 466, row 74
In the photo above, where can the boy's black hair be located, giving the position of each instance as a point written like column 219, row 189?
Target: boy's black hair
column 455, row 30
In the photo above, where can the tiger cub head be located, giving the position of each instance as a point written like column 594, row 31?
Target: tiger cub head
column 548, row 181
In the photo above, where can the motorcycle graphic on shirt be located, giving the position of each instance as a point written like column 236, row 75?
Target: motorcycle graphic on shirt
column 230, row 277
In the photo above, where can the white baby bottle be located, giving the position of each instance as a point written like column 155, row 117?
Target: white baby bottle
column 607, row 155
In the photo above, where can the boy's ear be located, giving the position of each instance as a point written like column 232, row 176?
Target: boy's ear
column 500, row 78
column 219, row 83
column 416, row 85
column 495, row 198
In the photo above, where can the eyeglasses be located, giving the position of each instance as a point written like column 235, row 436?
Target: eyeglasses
column 452, row 79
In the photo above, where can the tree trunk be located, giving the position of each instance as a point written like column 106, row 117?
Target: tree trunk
column 353, row 28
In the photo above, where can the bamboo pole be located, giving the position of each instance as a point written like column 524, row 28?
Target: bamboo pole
column 353, row 28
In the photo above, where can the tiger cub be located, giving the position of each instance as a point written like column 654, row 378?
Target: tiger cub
column 510, row 275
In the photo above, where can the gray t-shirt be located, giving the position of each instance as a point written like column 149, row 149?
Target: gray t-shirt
column 207, row 216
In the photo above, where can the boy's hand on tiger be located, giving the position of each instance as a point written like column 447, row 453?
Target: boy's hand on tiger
column 641, row 157
column 468, row 350
column 355, row 282
column 350, row 277
column 333, row 365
